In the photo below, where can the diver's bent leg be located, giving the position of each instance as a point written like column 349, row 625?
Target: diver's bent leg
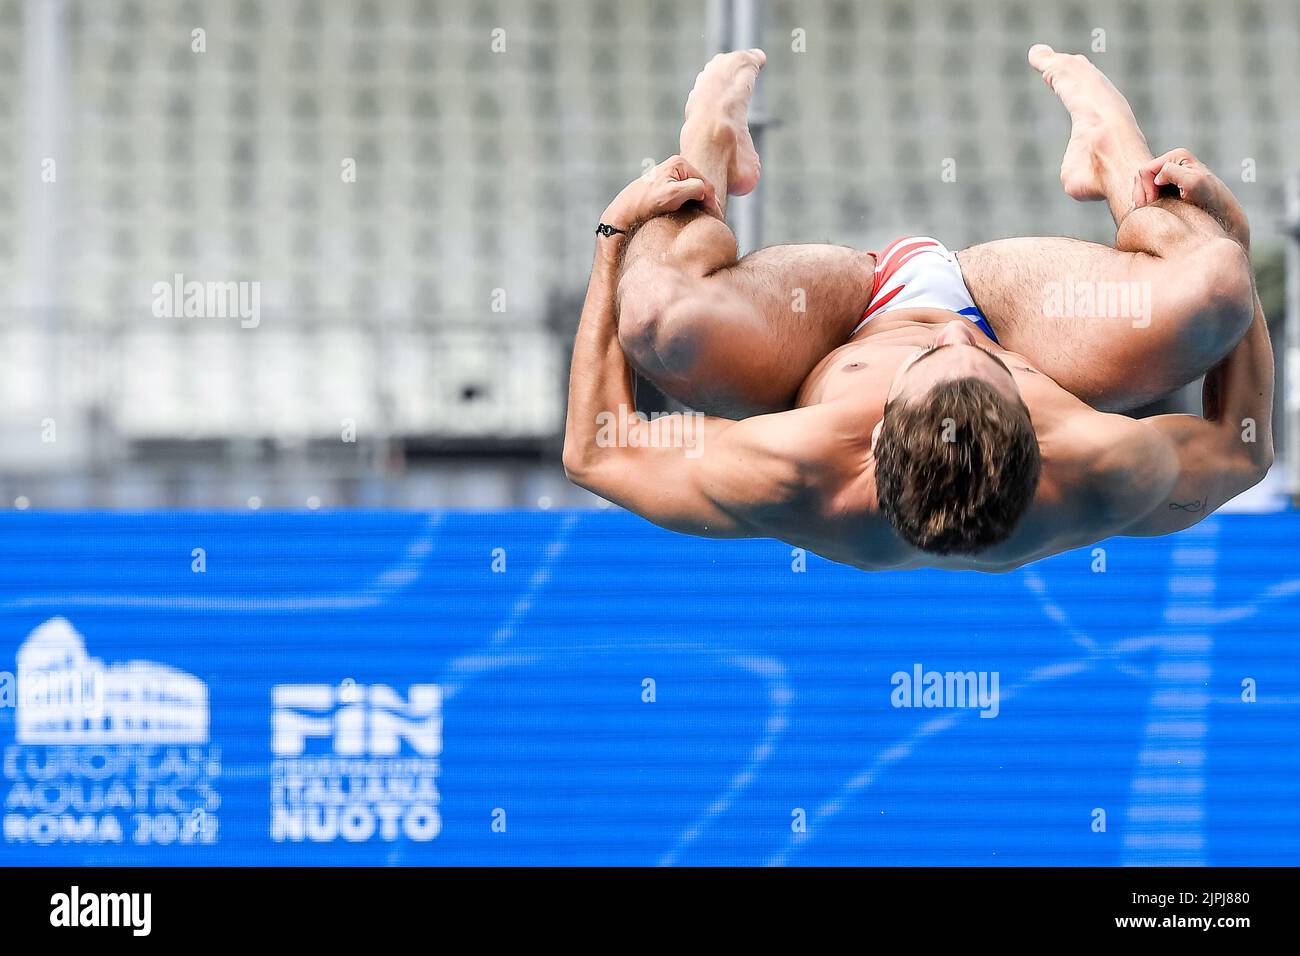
column 1117, row 328
column 740, row 340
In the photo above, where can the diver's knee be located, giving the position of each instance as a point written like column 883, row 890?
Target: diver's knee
column 1225, row 281
column 660, row 323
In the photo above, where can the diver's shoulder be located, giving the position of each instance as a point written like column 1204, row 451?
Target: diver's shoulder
column 1116, row 468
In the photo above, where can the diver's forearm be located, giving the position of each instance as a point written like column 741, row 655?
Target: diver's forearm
column 1238, row 393
column 600, row 379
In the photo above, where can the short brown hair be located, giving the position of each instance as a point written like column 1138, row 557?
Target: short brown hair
column 956, row 468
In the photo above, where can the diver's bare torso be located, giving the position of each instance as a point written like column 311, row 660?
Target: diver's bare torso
column 841, row 519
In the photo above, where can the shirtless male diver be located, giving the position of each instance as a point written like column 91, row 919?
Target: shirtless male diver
column 925, row 409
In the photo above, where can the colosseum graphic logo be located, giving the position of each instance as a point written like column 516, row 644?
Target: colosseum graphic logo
column 106, row 752
column 355, row 762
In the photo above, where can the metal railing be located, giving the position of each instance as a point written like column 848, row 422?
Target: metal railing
column 1291, row 347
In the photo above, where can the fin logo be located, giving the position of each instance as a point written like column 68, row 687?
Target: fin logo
column 355, row 762
column 359, row 720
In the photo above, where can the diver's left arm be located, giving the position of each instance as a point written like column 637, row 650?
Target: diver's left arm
column 1209, row 460
column 689, row 472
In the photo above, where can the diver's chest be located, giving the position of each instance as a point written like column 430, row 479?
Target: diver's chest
column 861, row 369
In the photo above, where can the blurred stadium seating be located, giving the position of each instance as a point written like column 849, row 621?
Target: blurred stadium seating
column 431, row 300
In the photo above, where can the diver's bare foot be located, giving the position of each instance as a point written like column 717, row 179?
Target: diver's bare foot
column 718, row 110
column 1106, row 147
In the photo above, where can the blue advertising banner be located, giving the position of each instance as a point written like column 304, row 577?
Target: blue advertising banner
column 583, row 688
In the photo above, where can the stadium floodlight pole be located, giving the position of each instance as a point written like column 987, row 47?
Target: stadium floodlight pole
column 45, row 72
column 717, row 26
column 736, row 25
column 1291, row 363
column 746, row 211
